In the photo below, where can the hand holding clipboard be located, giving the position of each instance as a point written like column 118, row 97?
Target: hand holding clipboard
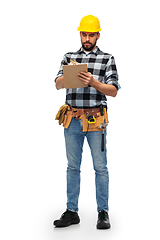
column 70, row 73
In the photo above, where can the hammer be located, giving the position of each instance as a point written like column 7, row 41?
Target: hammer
column 103, row 125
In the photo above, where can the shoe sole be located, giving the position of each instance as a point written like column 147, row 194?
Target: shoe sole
column 60, row 225
column 103, row 226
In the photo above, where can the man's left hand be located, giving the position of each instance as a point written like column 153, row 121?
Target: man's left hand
column 86, row 77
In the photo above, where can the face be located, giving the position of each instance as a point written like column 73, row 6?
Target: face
column 89, row 40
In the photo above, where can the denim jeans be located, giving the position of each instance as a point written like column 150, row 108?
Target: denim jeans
column 74, row 139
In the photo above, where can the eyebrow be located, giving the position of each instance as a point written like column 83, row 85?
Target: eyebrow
column 91, row 34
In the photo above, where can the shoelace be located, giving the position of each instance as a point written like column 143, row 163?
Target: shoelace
column 63, row 215
column 103, row 215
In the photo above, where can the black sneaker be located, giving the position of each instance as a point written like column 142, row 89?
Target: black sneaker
column 68, row 218
column 103, row 220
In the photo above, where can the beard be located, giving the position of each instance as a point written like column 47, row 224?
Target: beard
column 89, row 47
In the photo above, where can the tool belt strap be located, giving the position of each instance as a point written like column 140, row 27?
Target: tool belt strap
column 77, row 113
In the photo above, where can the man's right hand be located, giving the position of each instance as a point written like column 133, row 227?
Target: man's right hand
column 60, row 83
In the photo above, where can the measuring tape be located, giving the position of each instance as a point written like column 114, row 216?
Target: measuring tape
column 91, row 119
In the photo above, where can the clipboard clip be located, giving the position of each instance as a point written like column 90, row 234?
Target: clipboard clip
column 73, row 62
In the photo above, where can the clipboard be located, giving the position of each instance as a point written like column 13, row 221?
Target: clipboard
column 70, row 73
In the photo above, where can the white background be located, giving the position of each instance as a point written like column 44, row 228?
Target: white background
column 34, row 37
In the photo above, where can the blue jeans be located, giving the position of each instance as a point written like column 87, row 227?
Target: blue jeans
column 74, row 139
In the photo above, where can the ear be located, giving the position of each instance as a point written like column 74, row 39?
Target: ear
column 98, row 36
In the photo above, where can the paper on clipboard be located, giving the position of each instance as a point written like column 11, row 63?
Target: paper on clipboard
column 70, row 73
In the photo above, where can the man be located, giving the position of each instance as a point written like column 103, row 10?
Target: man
column 90, row 103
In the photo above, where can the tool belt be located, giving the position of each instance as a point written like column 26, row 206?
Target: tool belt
column 91, row 118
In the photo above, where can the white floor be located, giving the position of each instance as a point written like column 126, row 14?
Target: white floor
column 33, row 196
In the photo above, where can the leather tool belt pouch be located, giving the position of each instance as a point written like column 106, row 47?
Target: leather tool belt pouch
column 84, row 114
column 94, row 126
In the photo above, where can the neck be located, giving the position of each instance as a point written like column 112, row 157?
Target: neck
column 90, row 50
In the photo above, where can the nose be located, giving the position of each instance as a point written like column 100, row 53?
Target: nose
column 87, row 38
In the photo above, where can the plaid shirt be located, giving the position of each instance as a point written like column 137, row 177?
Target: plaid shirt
column 102, row 66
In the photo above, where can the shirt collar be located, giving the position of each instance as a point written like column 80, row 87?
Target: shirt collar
column 95, row 51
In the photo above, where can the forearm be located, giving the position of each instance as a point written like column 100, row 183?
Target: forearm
column 106, row 89
column 60, row 83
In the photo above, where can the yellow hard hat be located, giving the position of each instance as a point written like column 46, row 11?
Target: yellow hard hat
column 89, row 24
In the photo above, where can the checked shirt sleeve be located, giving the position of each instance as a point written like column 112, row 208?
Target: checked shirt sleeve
column 60, row 72
column 111, row 75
